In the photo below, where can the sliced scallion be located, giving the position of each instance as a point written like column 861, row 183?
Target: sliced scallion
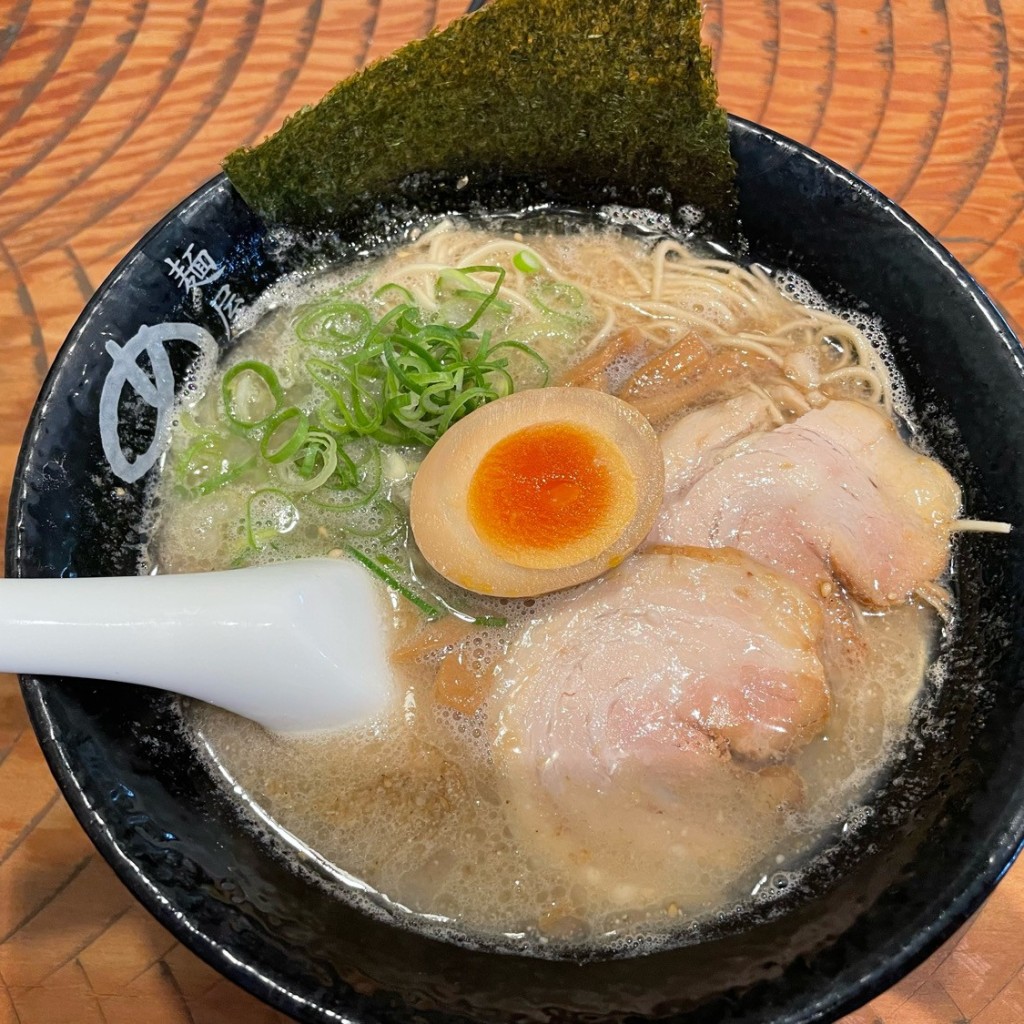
column 282, row 437
column 251, row 393
column 378, row 570
column 279, row 515
column 559, row 299
column 334, row 324
column 210, row 462
column 527, row 261
column 361, row 379
column 387, row 289
column 312, row 465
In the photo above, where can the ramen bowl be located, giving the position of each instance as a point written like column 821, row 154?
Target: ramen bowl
column 945, row 823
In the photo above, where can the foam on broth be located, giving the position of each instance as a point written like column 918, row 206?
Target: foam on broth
column 412, row 807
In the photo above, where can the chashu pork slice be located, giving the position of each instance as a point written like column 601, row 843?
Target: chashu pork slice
column 837, row 493
column 691, row 444
column 641, row 720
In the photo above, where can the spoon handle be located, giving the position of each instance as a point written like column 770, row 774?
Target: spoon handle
column 111, row 627
column 296, row 646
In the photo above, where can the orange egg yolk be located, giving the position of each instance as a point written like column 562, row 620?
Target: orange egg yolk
column 553, row 494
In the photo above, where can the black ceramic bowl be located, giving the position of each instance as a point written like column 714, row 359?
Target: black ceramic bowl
column 945, row 826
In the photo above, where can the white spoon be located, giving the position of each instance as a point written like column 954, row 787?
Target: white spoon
column 297, row 646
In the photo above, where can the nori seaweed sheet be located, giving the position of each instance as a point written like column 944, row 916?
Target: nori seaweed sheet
column 599, row 99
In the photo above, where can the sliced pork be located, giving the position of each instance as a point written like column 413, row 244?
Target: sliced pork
column 651, row 700
column 692, row 443
column 835, row 493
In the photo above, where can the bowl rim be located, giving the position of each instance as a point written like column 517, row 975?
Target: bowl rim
column 883, row 971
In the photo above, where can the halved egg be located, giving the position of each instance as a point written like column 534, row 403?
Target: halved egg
column 538, row 491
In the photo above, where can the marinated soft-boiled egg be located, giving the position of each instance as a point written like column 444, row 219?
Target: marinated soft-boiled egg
column 538, row 491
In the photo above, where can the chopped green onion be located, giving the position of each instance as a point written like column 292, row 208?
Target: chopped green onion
column 291, row 442
column 452, row 280
column 494, row 621
column 281, row 513
column 458, row 285
column 301, row 473
column 368, row 378
column 251, row 393
column 557, row 298
column 527, row 261
column 384, row 289
column 518, row 346
column 207, row 465
column 354, row 484
column 378, row 570
column 334, row 324
column 499, row 279
column 409, row 381
column 377, row 519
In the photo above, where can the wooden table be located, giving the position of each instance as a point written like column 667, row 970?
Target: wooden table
column 113, row 110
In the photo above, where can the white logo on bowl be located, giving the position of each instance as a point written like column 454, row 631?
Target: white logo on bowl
column 157, row 392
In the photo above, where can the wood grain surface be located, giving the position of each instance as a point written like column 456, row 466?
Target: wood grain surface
column 112, row 110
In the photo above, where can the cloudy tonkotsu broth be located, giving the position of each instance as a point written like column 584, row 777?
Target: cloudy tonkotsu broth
column 419, row 807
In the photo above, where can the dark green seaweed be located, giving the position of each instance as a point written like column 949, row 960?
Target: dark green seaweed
column 608, row 98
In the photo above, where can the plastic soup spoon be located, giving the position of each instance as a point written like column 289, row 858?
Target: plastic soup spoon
column 297, row 646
